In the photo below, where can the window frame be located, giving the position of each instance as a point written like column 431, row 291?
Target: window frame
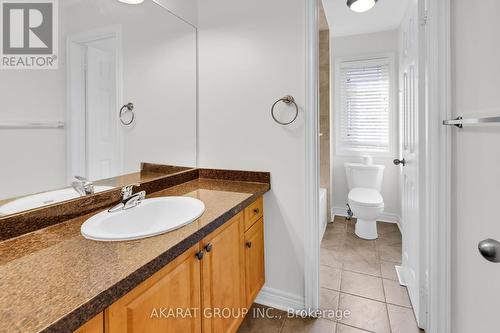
column 342, row 150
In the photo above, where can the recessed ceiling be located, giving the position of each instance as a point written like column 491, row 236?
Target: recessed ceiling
column 386, row 15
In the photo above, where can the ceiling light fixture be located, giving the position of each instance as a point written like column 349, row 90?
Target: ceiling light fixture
column 360, row 6
column 132, row 2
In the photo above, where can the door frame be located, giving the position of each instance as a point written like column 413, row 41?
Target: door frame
column 438, row 165
column 311, row 218
column 76, row 96
column 436, row 250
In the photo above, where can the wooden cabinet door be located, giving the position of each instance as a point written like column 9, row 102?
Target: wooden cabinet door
column 94, row 325
column 148, row 308
column 254, row 261
column 223, row 286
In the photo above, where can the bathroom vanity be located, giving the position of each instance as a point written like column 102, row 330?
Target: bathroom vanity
column 208, row 272
column 124, row 92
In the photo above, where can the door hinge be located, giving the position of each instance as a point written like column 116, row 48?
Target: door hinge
column 425, row 18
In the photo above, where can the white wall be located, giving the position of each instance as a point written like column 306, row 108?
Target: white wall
column 159, row 76
column 252, row 53
column 185, row 9
column 476, row 159
column 360, row 45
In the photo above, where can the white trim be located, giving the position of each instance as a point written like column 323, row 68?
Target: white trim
column 385, row 217
column 311, row 218
column 280, row 300
column 393, row 105
column 439, row 167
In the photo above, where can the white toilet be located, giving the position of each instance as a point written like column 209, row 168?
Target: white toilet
column 366, row 202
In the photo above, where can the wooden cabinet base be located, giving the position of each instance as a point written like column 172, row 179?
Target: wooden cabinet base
column 223, row 276
column 94, row 325
column 148, row 308
column 254, row 261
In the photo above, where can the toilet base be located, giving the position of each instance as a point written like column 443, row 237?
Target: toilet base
column 366, row 229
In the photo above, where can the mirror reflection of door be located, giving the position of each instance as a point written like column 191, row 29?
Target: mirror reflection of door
column 101, row 125
column 95, row 144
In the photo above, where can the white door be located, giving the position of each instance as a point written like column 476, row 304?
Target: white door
column 411, row 92
column 102, row 148
column 475, row 282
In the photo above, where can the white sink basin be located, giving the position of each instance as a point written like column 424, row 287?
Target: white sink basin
column 152, row 217
column 44, row 199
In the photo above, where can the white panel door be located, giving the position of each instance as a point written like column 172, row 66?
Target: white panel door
column 410, row 175
column 102, row 149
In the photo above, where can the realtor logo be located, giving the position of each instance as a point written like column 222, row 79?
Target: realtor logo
column 29, row 34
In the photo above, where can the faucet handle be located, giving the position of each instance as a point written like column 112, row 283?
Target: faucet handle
column 82, row 179
column 128, row 190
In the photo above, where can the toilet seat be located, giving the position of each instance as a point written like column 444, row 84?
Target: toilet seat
column 365, row 197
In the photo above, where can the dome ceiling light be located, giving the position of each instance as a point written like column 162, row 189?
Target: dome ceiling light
column 132, row 2
column 361, row 6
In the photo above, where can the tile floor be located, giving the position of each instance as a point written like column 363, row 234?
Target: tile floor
column 356, row 275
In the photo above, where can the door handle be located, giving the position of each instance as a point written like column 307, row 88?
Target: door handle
column 490, row 250
column 398, row 162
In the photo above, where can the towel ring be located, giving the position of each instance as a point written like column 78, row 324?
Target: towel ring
column 130, row 108
column 287, row 100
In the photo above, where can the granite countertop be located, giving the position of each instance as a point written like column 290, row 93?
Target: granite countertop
column 54, row 280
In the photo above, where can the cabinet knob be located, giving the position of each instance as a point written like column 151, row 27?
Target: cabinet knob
column 256, row 210
column 199, row 255
column 208, row 247
column 248, row 244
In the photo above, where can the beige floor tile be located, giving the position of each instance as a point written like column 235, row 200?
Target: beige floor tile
column 361, row 261
column 335, row 228
column 308, row 325
column 388, row 270
column 364, row 313
column 329, row 277
column 390, row 253
column 332, row 258
column 362, row 285
column 348, row 329
column 328, row 299
column 351, row 227
column 390, row 239
column 258, row 320
column 354, row 240
column 340, row 219
column 385, row 228
column 402, row 320
column 395, row 293
column 333, row 242
column 354, row 243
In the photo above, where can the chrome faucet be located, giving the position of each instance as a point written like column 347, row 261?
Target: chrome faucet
column 83, row 186
column 129, row 200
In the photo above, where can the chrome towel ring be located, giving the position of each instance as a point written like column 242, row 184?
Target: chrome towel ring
column 287, row 100
column 130, row 108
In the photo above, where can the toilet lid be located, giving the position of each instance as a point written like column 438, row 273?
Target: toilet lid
column 366, row 197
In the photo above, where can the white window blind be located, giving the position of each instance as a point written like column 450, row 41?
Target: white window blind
column 364, row 115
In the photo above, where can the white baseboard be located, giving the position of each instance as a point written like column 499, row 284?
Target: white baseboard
column 280, row 300
column 385, row 217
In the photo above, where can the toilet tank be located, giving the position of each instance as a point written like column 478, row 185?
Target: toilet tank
column 362, row 175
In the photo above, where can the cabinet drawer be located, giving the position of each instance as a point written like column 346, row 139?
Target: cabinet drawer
column 253, row 213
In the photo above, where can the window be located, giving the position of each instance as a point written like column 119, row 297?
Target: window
column 364, row 106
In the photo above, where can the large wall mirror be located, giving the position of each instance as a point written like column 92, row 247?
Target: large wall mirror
column 124, row 93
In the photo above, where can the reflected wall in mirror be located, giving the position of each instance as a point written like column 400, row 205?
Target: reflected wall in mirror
column 61, row 123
